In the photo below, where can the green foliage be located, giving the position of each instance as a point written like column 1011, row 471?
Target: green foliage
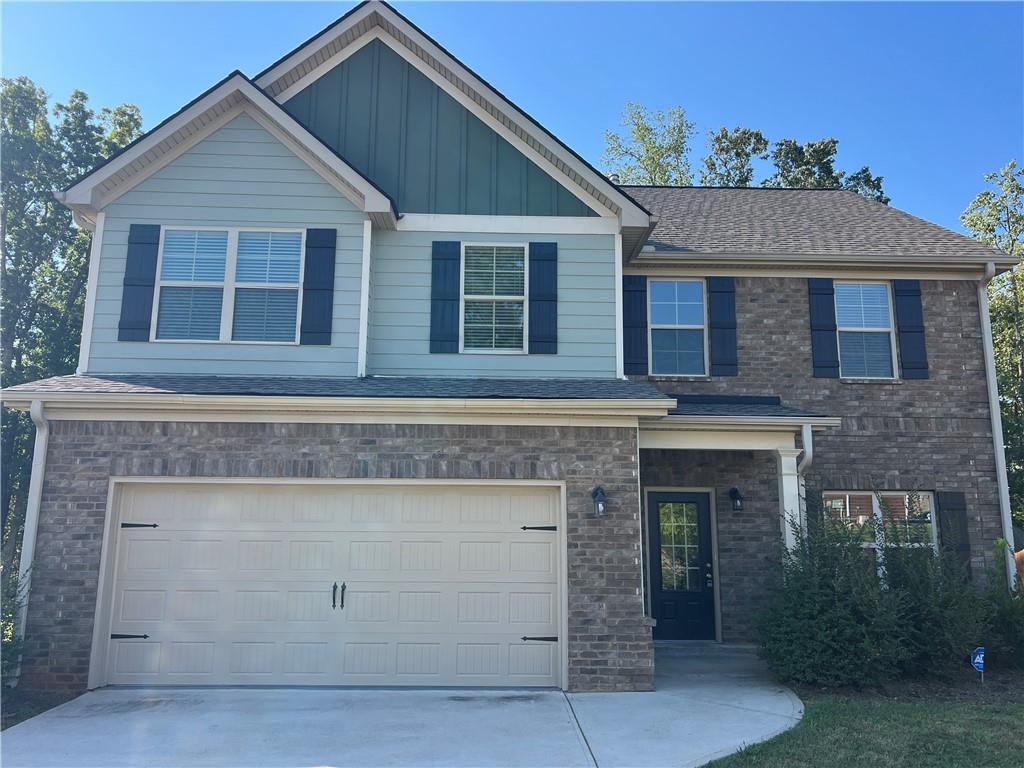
column 44, row 256
column 1004, row 636
column 996, row 217
column 829, row 622
column 846, row 616
column 729, row 162
column 655, row 149
column 10, row 645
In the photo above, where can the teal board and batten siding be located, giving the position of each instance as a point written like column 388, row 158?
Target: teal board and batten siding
column 239, row 176
column 420, row 146
column 399, row 322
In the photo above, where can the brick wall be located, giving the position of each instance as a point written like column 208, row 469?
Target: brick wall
column 609, row 640
column 748, row 540
column 925, row 435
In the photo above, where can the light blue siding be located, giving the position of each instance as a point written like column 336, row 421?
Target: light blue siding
column 399, row 331
column 239, row 176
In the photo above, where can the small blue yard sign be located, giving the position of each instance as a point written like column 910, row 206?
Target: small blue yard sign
column 978, row 659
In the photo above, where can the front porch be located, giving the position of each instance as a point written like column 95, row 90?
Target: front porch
column 721, row 479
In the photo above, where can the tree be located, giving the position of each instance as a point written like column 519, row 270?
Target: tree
column 996, row 217
column 43, row 257
column 807, row 166
column 655, row 149
column 812, row 166
column 729, row 162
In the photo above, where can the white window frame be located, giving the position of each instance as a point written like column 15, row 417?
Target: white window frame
column 651, row 327
column 229, row 284
column 893, row 347
column 876, row 511
column 525, row 298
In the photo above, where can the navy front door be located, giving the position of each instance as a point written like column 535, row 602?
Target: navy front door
column 682, row 576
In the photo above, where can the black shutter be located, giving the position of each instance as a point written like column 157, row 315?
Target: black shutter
column 543, row 299
column 446, row 259
column 722, row 325
column 824, row 344
column 952, row 519
column 139, row 282
column 318, row 286
column 634, row 323
column 910, row 329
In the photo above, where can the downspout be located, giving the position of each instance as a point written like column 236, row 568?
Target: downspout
column 807, row 438
column 35, row 495
column 997, row 422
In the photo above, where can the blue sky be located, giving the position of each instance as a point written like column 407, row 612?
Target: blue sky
column 930, row 95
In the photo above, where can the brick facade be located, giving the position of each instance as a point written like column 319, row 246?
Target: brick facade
column 926, row 435
column 748, row 540
column 609, row 642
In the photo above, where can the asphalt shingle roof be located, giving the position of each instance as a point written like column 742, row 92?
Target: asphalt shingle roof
column 308, row 386
column 799, row 222
column 736, row 405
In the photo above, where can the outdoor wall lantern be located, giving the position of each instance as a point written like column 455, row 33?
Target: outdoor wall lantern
column 737, row 498
column 599, row 499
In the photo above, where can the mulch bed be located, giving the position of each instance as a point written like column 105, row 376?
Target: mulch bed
column 19, row 704
column 1005, row 686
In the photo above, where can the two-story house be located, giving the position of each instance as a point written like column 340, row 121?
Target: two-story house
column 382, row 384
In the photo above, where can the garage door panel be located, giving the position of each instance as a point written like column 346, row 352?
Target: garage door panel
column 234, row 586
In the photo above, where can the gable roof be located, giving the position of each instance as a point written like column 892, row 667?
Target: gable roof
column 198, row 119
column 801, row 224
column 315, row 56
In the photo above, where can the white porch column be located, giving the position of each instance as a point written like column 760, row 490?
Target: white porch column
column 790, row 499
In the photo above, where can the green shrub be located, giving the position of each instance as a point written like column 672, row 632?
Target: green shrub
column 846, row 615
column 830, row 622
column 1004, row 635
column 10, row 645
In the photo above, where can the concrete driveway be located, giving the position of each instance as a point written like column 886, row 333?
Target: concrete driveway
column 710, row 702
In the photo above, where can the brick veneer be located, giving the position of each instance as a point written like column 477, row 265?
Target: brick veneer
column 926, row 435
column 749, row 541
column 609, row 642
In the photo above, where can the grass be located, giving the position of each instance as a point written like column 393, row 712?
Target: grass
column 934, row 727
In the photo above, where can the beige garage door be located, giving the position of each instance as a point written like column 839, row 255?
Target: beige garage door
column 335, row 585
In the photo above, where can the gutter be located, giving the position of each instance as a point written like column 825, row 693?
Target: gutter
column 997, row 422
column 35, row 496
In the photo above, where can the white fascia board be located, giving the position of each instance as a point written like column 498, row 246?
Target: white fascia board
column 646, row 261
column 367, row 197
column 742, row 423
column 525, row 225
column 630, row 215
column 260, row 405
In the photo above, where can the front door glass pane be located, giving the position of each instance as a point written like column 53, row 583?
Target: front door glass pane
column 680, row 562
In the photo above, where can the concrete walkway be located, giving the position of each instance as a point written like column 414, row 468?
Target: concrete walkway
column 711, row 701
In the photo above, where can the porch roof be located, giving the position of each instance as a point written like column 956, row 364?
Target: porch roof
column 738, row 405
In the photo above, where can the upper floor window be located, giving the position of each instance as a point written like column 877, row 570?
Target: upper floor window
column 678, row 327
column 494, row 298
column 864, row 323
column 229, row 285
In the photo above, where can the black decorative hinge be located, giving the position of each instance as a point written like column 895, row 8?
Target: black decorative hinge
column 139, row 525
column 116, row 636
column 539, row 528
column 545, row 638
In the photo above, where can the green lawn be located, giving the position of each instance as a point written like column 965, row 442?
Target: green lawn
column 877, row 732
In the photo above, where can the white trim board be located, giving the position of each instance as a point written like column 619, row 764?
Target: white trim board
column 91, row 286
